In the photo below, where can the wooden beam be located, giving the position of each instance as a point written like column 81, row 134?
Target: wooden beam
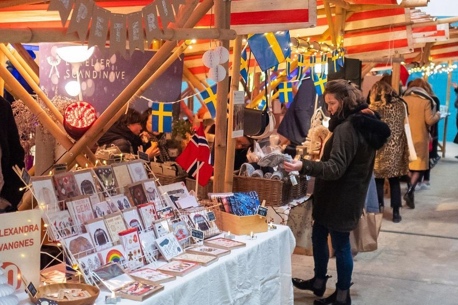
column 12, row 3
column 30, row 63
column 31, row 35
column 327, row 8
column 229, row 167
column 222, row 21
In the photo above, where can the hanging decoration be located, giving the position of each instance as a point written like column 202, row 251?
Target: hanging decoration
column 162, row 116
column 78, row 118
column 285, row 90
column 213, row 59
column 244, row 66
column 209, row 98
column 270, row 49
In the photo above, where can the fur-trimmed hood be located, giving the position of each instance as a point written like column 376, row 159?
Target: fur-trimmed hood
column 374, row 131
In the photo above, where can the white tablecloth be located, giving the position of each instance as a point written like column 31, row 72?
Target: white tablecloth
column 259, row 273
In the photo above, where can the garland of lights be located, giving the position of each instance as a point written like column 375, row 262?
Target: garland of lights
column 433, row 68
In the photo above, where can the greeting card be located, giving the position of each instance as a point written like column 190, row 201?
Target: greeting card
column 137, row 193
column 172, row 192
column 115, row 223
column 161, row 227
column 122, row 175
column 86, row 184
column 114, row 254
column 132, row 247
column 137, row 170
column 120, row 202
column 169, row 246
column 202, row 259
column 66, row 186
column 80, row 209
column 99, row 234
column 79, row 245
column 43, row 190
column 151, row 276
column 148, row 214
column 101, row 208
column 152, row 193
column 61, row 224
column 179, row 268
column 132, row 218
column 89, row 263
column 107, row 179
column 148, row 243
column 209, row 250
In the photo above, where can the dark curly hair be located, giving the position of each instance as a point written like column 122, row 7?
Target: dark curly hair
column 347, row 93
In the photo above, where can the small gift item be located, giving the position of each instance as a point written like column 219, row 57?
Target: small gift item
column 78, row 118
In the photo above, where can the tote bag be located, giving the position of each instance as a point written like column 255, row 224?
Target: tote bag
column 412, row 152
column 364, row 237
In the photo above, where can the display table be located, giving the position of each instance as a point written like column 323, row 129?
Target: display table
column 259, row 273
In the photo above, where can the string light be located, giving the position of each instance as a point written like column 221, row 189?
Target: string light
column 433, row 68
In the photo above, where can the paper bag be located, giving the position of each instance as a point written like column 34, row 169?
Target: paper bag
column 364, row 237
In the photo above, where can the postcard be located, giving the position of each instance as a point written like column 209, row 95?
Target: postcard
column 132, row 218
column 225, row 243
column 172, row 192
column 99, row 233
column 209, row 250
column 137, row 193
column 43, row 190
column 86, row 184
column 137, row 170
column 179, row 268
column 202, row 259
column 148, row 243
column 115, row 223
column 169, row 246
column 79, row 245
column 107, row 179
column 151, row 276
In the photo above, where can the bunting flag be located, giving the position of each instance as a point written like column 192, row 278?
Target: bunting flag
column 312, row 61
column 162, row 117
column 244, row 66
column 285, row 90
column 196, row 156
column 209, row 97
column 289, row 69
column 300, row 67
column 324, row 62
column 270, row 49
column 262, row 104
column 334, row 57
column 319, row 81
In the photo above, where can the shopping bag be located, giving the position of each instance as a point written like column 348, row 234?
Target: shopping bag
column 412, row 152
column 364, row 237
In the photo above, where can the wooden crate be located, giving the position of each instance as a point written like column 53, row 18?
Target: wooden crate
column 241, row 225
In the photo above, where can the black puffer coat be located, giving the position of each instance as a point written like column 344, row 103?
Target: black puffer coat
column 345, row 169
column 120, row 135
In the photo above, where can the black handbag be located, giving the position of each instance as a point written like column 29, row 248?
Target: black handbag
column 255, row 121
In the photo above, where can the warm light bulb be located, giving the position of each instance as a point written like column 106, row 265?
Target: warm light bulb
column 73, row 88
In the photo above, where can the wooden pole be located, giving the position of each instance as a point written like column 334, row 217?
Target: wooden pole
column 100, row 125
column 222, row 21
column 396, row 75
column 229, row 172
column 25, row 65
column 328, row 11
column 26, row 58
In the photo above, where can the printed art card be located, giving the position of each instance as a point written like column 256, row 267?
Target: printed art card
column 43, row 190
column 66, row 186
column 114, row 254
column 179, row 268
column 119, row 202
column 200, row 220
column 181, row 231
column 203, row 259
column 89, row 263
column 107, row 179
column 122, row 175
column 137, row 170
column 137, row 193
column 161, row 227
column 61, row 224
column 80, row 209
column 130, row 240
column 172, row 192
column 79, row 245
column 148, row 214
column 152, row 193
column 209, row 250
column 169, row 246
column 151, row 276
column 99, row 234
column 148, row 243
column 86, row 184
column 132, row 218
column 102, row 208
column 225, row 243
column 115, row 223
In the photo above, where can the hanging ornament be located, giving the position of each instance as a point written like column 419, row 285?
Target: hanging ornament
column 78, row 118
column 210, row 59
column 221, row 54
column 217, row 73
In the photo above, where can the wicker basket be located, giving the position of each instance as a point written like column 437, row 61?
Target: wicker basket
column 202, row 191
column 164, row 180
column 274, row 192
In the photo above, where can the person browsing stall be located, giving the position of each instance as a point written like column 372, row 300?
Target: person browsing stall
column 125, row 134
column 342, row 179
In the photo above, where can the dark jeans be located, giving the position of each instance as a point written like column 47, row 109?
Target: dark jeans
column 395, row 191
column 342, row 249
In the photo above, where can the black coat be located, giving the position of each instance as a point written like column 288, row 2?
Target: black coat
column 344, row 172
column 120, row 135
column 12, row 154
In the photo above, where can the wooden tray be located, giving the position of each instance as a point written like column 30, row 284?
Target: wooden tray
column 54, row 288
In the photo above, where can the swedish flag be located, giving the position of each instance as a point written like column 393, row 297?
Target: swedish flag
column 319, row 80
column 270, row 49
column 209, row 97
column 300, row 67
column 244, row 66
column 262, row 104
column 162, row 117
column 285, row 90
column 312, row 60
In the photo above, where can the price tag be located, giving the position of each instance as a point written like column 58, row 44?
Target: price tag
column 143, row 156
column 197, row 234
column 262, row 211
column 31, row 289
column 25, row 176
column 59, row 168
column 211, row 216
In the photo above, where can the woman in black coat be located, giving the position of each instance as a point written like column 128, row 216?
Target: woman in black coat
column 342, row 179
column 12, row 154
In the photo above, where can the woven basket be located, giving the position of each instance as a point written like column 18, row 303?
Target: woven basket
column 164, row 180
column 274, row 192
column 202, row 191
